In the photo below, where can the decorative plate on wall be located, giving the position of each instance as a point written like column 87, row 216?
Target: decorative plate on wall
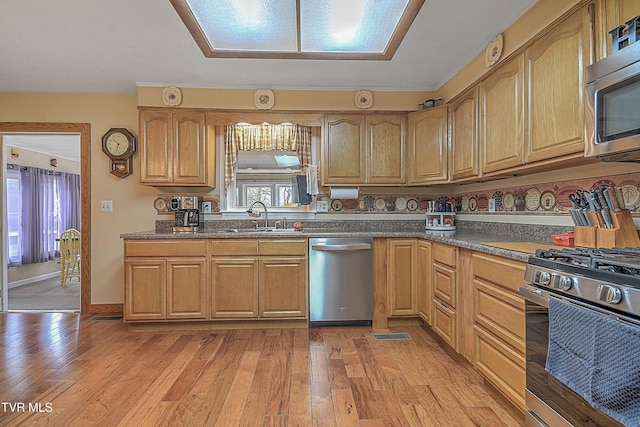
column 401, row 203
column 494, row 50
column 412, row 205
column 364, row 99
column 548, row 200
column 532, row 199
column 171, row 96
column 264, row 99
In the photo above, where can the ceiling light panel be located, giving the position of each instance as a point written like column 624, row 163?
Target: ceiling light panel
column 348, row 26
column 305, row 29
column 248, row 25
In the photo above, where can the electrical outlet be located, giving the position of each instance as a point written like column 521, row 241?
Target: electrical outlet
column 322, row 206
column 106, row 206
column 206, row 207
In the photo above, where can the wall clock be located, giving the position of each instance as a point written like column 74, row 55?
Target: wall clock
column 119, row 144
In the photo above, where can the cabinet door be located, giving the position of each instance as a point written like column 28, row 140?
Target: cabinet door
column 155, row 146
column 386, row 149
column 343, row 151
column 145, row 281
column 234, row 287
column 427, row 158
column 283, row 287
column 444, row 284
column 443, row 323
column 190, row 150
column 186, row 289
column 464, row 135
column 609, row 15
column 424, row 281
column 402, row 270
column 555, row 74
column 502, row 113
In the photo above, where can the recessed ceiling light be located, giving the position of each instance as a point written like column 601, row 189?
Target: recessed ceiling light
column 303, row 29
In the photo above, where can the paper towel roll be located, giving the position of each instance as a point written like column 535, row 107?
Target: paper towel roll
column 344, row 193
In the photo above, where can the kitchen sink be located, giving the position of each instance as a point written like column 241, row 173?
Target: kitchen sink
column 259, row 230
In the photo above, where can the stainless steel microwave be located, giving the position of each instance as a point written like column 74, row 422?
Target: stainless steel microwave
column 613, row 106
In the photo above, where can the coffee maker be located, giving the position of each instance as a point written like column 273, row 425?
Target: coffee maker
column 187, row 215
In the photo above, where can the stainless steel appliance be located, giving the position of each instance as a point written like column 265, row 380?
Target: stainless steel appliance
column 582, row 337
column 612, row 112
column 187, row 215
column 340, row 281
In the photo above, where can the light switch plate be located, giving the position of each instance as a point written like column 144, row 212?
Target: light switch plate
column 492, row 205
column 322, row 206
column 106, row 206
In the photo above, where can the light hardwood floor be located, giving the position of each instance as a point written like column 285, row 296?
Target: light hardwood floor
column 72, row 370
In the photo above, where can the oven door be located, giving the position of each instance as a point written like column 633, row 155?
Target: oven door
column 549, row 402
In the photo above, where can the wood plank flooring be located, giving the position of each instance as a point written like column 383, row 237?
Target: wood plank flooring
column 64, row 369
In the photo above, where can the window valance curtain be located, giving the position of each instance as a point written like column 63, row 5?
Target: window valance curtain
column 283, row 137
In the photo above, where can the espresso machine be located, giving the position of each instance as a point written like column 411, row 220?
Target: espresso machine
column 187, row 215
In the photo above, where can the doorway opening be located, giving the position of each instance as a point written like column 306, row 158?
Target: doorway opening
column 43, row 291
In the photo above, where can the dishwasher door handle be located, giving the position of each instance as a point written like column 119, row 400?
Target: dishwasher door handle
column 347, row 247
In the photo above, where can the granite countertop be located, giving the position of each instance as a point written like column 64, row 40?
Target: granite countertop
column 485, row 242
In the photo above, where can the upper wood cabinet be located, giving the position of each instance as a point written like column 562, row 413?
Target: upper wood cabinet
column 176, row 149
column 555, row 75
column 463, row 131
column 363, row 149
column 610, row 14
column 427, row 160
column 501, row 117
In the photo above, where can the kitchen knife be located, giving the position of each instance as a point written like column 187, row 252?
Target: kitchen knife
column 612, row 199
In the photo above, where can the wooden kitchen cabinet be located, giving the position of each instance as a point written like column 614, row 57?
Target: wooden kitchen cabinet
column 259, row 279
column 443, row 319
column 427, row 158
column 555, row 75
column 424, row 280
column 463, row 131
column 499, row 328
column 610, row 14
column 165, row 280
column 402, row 283
column 501, row 102
column 364, row 149
column 176, row 148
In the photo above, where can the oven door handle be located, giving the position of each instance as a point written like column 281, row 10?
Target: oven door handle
column 535, row 295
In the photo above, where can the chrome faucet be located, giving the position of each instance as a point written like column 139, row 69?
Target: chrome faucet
column 252, row 214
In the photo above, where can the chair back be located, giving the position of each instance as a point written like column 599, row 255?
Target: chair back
column 70, row 245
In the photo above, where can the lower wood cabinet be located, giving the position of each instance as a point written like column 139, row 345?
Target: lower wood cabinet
column 165, row 280
column 402, row 284
column 215, row 279
column 424, row 280
column 259, row 279
column 499, row 328
column 444, row 286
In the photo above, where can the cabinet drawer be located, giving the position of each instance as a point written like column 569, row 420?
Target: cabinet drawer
column 502, row 366
column 444, row 284
column 444, row 254
column 501, row 313
column 234, row 247
column 169, row 247
column 501, row 271
column 444, row 323
column 282, row 247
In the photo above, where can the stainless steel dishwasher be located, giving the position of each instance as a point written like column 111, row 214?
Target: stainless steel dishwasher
column 340, row 281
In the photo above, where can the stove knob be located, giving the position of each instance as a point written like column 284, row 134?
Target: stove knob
column 545, row 278
column 565, row 283
column 609, row 294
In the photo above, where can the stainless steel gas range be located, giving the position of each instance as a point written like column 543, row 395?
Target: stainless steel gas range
column 583, row 337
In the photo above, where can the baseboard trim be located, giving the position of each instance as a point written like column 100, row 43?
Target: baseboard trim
column 34, row 279
column 106, row 309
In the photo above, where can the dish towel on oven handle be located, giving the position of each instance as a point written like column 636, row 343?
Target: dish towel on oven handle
column 598, row 357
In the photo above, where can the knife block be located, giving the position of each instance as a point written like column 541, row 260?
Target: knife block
column 623, row 234
column 585, row 236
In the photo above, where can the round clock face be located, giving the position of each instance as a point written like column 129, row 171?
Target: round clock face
column 117, row 144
